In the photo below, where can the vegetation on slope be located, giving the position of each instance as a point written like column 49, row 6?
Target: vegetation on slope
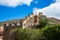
column 45, row 31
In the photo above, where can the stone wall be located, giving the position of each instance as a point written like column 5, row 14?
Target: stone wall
column 8, row 29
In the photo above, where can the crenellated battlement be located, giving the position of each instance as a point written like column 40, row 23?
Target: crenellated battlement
column 25, row 22
column 13, row 25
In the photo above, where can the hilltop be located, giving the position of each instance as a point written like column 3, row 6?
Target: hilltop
column 51, row 20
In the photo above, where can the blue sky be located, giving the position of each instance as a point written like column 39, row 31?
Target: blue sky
column 13, row 11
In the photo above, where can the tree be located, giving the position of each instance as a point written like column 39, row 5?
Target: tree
column 43, row 21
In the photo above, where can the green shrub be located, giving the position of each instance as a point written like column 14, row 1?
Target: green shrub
column 52, row 33
column 42, row 23
column 46, row 33
column 22, row 34
column 27, row 34
column 18, row 34
column 35, row 34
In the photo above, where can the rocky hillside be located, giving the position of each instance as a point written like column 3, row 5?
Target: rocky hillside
column 51, row 20
column 54, row 21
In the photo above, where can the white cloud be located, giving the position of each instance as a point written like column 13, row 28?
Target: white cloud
column 57, row 0
column 14, row 3
column 51, row 11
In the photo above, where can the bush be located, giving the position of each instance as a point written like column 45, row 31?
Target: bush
column 42, row 23
column 18, row 34
column 36, row 35
column 27, row 34
column 46, row 33
column 52, row 33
